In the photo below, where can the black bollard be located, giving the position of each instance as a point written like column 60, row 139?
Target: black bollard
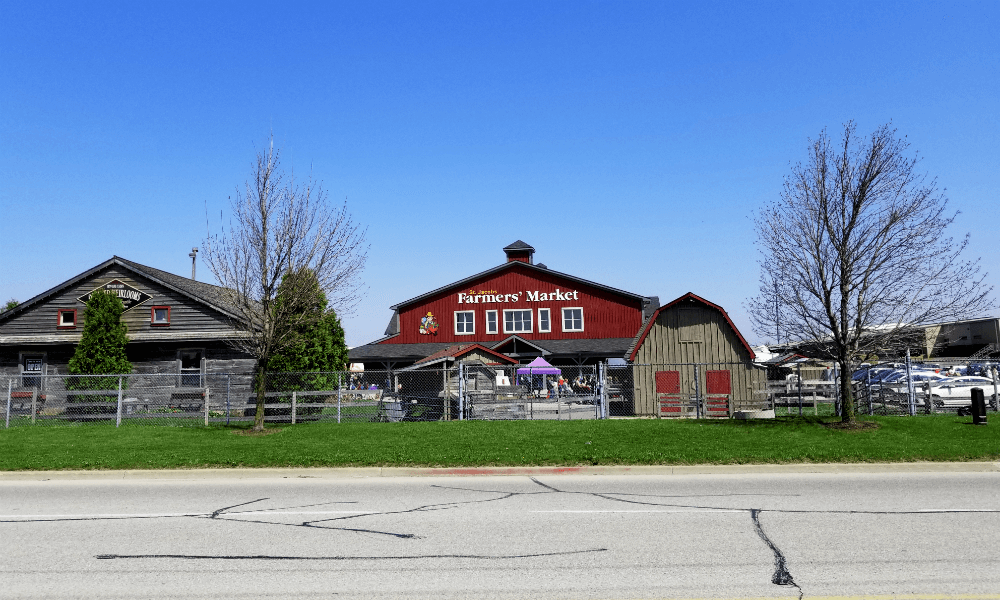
column 978, row 407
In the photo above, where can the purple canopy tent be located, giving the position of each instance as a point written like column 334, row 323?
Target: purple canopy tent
column 539, row 366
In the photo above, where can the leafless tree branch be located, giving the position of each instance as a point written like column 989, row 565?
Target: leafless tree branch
column 280, row 227
column 854, row 254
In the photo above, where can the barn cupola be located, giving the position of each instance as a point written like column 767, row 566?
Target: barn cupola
column 519, row 251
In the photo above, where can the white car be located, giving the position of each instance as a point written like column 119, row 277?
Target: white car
column 919, row 378
column 957, row 391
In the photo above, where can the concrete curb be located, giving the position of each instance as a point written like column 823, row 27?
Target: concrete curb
column 368, row 472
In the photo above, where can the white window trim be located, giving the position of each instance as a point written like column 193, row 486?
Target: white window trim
column 63, row 323
column 461, row 312
column 563, row 320
column 549, row 313
column 496, row 322
column 531, row 327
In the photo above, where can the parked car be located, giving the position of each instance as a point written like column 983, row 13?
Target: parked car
column 898, row 385
column 957, row 391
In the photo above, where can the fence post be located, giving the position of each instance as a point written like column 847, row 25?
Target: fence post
column 909, row 386
column 118, row 419
column 602, row 375
column 798, row 376
column 340, row 386
column 927, row 396
column 447, row 393
column 208, row 402
column 996, row 397
column 10, row 383
column 697, row 394
column 228, row 381
column 294, row 398
column 461, row 391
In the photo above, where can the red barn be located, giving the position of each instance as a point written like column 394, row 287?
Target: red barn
column 519, row 309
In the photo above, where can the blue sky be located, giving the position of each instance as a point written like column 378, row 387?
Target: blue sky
column 628, row 142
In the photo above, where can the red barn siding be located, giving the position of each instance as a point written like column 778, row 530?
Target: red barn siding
column 605, row 313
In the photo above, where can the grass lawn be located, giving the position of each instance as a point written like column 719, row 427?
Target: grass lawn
column 486, row 443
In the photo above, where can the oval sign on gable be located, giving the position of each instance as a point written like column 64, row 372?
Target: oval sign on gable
column 129, row 296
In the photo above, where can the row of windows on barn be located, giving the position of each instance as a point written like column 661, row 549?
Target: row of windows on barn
column 159, row 316
column 519, row 321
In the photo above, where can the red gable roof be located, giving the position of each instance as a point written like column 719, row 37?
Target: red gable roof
column 688, row 296
column 463, row 349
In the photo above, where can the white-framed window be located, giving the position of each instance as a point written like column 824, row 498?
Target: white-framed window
column 465, row 322
column 544, row 320
column 491, row 322
column 572, row 319
column 517, row 321
column 67, row 318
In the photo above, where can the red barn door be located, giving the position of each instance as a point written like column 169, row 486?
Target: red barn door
column 718, row 389
column 668, row 392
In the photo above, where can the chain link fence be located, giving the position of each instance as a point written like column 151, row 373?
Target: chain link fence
column 914, row 387
column 488, row 392
column 186, row 399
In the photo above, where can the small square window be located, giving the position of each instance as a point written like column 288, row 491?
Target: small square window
column 160, row 316
column 572, row 319
column 465, row 322
column 544, row 321
column 491, row 321
column 67, row 318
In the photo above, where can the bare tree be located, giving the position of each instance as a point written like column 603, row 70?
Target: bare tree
column 855, row 253
column 280, row 228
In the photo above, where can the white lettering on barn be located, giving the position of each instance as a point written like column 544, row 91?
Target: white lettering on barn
column 129, row 296
column 492, row 297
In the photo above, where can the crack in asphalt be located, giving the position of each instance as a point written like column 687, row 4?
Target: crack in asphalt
column 781, row 574
column 400, row 557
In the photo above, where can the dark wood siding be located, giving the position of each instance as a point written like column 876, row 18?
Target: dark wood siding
column 185, row 314
column 606, row 314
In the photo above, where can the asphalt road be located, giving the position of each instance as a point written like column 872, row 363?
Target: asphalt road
column 542, row 536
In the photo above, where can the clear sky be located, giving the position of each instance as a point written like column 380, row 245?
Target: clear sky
column 628, row 142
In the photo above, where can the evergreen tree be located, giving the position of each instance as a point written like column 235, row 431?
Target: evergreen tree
column 102, row 346
column 319, row 345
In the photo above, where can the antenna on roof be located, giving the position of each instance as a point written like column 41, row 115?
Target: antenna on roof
column 193, row 255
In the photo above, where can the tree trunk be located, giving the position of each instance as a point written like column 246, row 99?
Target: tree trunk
column 258, row 418
column 846, row 396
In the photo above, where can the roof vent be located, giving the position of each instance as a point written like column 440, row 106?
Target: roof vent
column 193, row 255
column 519, row 252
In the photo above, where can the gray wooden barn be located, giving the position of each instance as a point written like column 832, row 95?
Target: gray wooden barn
column 176, row 325
column 690, row 350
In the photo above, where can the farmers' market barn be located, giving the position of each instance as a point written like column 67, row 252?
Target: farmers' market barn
column 690, row 346
column 519, row 309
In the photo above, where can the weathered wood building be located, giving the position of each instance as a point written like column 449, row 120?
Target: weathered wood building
column 175, row 325
column 690, row 346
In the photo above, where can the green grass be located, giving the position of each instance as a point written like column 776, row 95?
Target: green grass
column 482, row 443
